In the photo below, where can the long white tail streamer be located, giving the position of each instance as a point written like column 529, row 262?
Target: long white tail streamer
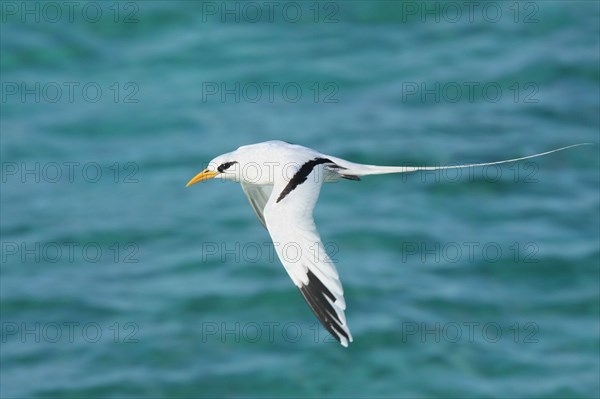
column 364, row 170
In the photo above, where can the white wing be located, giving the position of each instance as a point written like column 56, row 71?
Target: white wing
column 258, row 197
column 289, row 220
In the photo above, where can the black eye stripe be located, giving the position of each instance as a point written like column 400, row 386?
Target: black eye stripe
column 223, row 167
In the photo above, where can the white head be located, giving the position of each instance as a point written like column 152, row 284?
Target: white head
column 224, row 167
column 261, row 163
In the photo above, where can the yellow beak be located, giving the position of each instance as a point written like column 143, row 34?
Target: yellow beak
column 204, row 175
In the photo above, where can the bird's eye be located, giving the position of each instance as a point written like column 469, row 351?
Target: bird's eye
column 223, row 167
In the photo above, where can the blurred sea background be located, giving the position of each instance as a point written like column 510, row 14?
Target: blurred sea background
column 116, row 281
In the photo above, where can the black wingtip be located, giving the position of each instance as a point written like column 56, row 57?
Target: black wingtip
column 315, row 293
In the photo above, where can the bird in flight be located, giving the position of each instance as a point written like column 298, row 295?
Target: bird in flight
column 282, row 182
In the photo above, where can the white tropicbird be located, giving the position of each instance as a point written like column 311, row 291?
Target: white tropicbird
column 282, row 182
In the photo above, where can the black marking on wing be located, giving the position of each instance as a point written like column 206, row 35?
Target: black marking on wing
column 336, row 168
column 223, row 167
column 315, row 293
column 301, row 176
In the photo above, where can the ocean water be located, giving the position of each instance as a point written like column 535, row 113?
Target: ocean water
column 117, row 281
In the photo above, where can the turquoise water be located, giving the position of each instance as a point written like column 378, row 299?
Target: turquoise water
column 116, row 281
